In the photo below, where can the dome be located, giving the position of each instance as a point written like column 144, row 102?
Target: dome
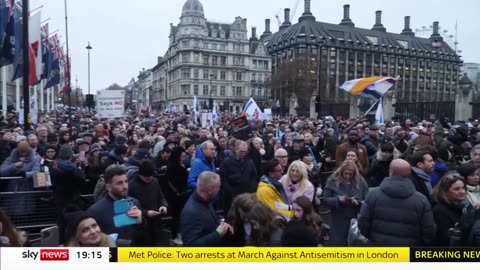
column 192, row 7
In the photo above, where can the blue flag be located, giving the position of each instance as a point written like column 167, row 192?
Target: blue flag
column 7, row 47
column 18, row 56
column 5, row 7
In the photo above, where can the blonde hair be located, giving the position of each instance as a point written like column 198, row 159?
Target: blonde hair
column 302, row 168
column 346, row 165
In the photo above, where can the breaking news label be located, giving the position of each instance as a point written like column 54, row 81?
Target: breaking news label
column 217, row 258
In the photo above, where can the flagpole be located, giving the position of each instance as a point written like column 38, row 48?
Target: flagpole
column 68, row 65
column 41, row 96
column 26, row 90
column 17, row 95
column 48, row 99
column 4, row 91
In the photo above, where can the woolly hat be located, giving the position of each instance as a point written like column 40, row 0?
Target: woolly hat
column 95, row 147
column 147, row 168
column 73, row 217
column 23, row 147
column 65, row 152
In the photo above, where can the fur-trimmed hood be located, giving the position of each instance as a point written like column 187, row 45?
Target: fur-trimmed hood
column 396, row 154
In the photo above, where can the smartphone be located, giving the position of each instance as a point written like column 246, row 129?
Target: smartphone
column 120, row 209
column 81, row 156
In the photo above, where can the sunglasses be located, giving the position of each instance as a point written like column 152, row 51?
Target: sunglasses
column 454, row 177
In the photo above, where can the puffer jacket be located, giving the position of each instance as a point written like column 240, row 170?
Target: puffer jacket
column 395, row 214
column 200, row 164
column 31, row 166
column 269, row 191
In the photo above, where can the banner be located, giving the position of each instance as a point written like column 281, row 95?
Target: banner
column 110, row 103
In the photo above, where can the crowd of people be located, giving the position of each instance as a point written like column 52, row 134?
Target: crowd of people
column 163, row 179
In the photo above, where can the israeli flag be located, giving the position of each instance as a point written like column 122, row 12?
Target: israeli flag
column 214, row 113
column 195, row 107
column 379, row 117
column 252, row 110
column 131, row 85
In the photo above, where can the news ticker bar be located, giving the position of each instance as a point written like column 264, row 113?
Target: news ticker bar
column 300, row 255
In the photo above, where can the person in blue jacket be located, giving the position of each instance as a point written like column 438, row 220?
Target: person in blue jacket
column 204, row 161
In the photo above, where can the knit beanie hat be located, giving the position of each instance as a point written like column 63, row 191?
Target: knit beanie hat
column 65, row 152
column 23, row 148
column 73, row 217
column 95, row 147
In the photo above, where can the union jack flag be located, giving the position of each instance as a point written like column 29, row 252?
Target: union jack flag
column 55, row 46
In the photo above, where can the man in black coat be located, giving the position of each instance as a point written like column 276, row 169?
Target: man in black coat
column 147, row 189
column 422, row 165
column 238, row 175
column 394, row 214
column 199, row 224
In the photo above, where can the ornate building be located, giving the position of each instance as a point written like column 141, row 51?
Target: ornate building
column 216, row 62
column 331, row 54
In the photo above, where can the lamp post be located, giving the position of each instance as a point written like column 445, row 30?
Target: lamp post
column 210, row 100
column 88, row 48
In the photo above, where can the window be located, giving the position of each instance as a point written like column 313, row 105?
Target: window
column 196, row 74
column 214, row 60
column 265, row 65
column 255, row 64
column 185, row 73
column 222, row 91
column 185, row 57
column 185, row 43
column 214, row 90
column 214, row 46
column 214, row 75
column 205, row 90
column 223, row 60
column 205, row 45
column 222, row 47
column 185, row 89
column 196, row 44
column 238, row 76
column 238, row 91
column 205, row 59
column 254, row 77
column 195, row 90
column 205, row 73
column 196, row 57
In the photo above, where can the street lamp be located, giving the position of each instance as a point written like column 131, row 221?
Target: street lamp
column 210, row 101
column 88, row 48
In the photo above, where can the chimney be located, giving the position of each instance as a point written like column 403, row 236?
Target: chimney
column 378, row 22
column 267, row 32
column 346, row 17
column 286, row 22
column 435, row 35
column 287, row 16
column 307, row 14
column 406, row 29
column 244, row 24
column 254, row 33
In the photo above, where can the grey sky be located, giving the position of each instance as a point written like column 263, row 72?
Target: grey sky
column 127, row 36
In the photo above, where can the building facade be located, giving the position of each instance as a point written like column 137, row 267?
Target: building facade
column 428, row 69
column 217, row 62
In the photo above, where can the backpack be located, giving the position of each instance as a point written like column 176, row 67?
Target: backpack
column 460, row 233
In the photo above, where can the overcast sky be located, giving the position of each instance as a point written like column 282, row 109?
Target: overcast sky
column 127, row 36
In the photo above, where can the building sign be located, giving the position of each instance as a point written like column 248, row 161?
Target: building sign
column 110, row 103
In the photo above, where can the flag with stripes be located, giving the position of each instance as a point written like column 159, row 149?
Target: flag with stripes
column 372, row 87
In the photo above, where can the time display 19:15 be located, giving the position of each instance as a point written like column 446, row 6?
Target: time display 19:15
column 89, row 255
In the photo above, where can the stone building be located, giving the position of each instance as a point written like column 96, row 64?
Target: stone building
column 330, row 54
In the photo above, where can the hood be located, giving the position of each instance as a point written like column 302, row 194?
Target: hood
column 28, row 158
column 65, row 165
column 396, row 154
column 114, row 156
column 133, row 162
column 397, row 187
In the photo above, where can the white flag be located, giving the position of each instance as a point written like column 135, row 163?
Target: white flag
column 214, row 113
column 379, row 117
column 252, row 110
column 35, row 40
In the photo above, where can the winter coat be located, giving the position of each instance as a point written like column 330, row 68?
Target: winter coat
column 395, row 214
column 198, row 223
column 446, row 215
column 473, row 193
column 31, row 166
column 237, row 176
column 343, row 149
column 200, row 164
column 379, row 169
column 67, row 181
column 269, row 191
column 343, row 213
column 150, row 195
column 112, row 159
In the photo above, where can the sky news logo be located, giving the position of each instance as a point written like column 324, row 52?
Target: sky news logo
column 47, row 255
